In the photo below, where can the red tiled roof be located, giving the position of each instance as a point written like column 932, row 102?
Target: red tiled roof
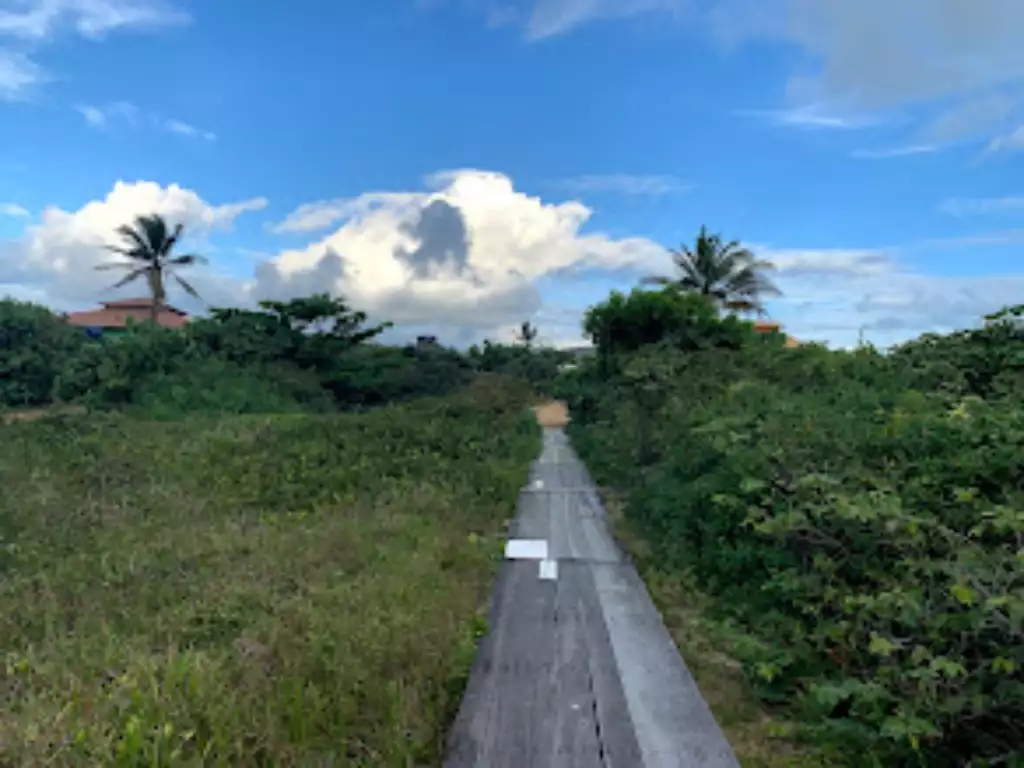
column 115, row 314
column 765, row 326
column 145, row 303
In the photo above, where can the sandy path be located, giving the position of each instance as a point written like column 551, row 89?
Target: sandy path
column 552, row 414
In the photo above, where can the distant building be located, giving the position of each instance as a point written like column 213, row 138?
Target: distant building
column 113, row 316
column 426, row 341
column 766, row 327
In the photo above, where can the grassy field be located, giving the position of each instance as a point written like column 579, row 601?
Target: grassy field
column 290, row 590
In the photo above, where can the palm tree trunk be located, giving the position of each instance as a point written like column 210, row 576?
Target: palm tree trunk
column 156, row 289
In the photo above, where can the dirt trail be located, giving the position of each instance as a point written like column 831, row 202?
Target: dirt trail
column 552, row 414
column 37, row 413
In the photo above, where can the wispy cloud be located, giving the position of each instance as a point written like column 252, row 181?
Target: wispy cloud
column 995, row 237
column 555, row 17
column 810, row 117
column 18, row 75
column 881, row 154
column 94, row 116
column 35, row 22
column 13, row 209
column 109, row 114
column 321, row 214
column 40, row 19
column 623, row 184
column 185, row 129
column 958, row 206
column 1009, row 142
column 827, row 261
column 126, row 114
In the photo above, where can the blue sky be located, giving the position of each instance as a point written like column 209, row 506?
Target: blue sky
column 462, row 165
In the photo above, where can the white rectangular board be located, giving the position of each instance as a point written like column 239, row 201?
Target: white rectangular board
column 526, row 549
column 548, row 570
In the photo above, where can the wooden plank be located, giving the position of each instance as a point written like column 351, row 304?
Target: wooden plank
column 673, row 724
column 577, row 669
column 530, row 699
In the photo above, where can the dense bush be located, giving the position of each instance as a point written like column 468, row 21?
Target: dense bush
column 110, row 372
column 375, row 374
column 625, row 323
column 861, row 513
column 213, row 385
column 34, row 345
column 538, row 365
column 303, row 354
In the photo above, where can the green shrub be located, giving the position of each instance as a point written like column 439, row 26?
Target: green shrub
column 537, row 365
column 861, row 513
column 627, row 322
column 216, row 386
column 372, row 375
column 34, row 345
column 109, row 372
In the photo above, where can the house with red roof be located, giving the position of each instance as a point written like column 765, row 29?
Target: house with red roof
column 112, row 317
column 769, row 327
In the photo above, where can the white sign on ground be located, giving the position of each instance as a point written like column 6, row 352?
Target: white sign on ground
column 548, row 570
column 526, row 549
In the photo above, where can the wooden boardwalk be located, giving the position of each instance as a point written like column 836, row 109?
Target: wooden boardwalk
column 577, row 668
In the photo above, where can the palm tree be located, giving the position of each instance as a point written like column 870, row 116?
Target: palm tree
column 728, row 274
column 147, row 248
column 527, row 333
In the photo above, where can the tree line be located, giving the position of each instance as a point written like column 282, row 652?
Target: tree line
column 309, row 352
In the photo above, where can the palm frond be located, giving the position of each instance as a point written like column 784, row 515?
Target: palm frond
column 170, row 242
column 116, row 265
column 727, row 273
column 656, row 280
column 755, row 283
column 131, row 276
column 685, row 262
column 133, row 236
column 138, row 254
column 155, row 230
column 187, row 286
column 188, row 259
column 745, row 305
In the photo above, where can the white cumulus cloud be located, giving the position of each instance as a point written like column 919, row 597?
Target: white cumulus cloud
column 464, row 253
column 58, row 254
column 470, row 255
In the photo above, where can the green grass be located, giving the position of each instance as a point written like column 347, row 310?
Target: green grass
column 288, row 590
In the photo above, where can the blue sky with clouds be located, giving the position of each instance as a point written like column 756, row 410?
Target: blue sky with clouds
column 462, row 165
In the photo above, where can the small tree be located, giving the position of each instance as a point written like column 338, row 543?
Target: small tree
column 310, row 332
column 627, row 322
